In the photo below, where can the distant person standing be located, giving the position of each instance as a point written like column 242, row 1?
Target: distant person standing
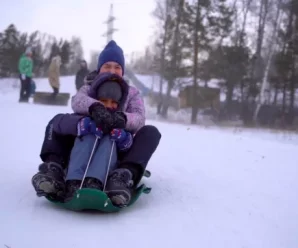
column 54, row 74
column 25, row 70
column 81, row 74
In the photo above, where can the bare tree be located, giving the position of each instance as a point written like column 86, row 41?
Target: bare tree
column 162, row 12
column 256, row 62
column 272, row 48
column 195, row 62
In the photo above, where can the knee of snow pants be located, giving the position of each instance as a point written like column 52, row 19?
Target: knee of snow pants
column 55, row 147
column 144, row 145
column 99, row 164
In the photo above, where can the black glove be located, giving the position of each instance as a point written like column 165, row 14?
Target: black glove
column 119, row 120
column 102, row 117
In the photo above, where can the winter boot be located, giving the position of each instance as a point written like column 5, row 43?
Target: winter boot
column 92, row 183
column 120, row 186
column 49, row 181
column 71, row 188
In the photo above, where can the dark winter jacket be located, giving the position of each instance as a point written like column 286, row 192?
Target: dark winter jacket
column 80, row 76
column 66, row 124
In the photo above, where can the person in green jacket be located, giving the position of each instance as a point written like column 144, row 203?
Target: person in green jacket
column 25, row 70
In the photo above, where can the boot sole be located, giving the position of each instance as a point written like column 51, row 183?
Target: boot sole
column 46, row 185
column 119, row 198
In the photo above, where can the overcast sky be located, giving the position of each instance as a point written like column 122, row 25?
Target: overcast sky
column 84, row 18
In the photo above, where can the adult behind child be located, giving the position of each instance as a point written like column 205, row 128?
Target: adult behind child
column 112, row 94
column 56, row 148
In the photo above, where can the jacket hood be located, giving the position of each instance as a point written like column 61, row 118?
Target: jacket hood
column 96, row 80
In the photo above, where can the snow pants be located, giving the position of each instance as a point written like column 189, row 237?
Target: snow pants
column 99, row 164
column 55, row 91
column 33, row 88
column 25, row 90
column 57, row 148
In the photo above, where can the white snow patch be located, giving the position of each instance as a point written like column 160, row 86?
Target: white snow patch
column 211, row 188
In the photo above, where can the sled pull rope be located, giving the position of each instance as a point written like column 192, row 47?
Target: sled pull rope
column 89, row 161
column 109, row 165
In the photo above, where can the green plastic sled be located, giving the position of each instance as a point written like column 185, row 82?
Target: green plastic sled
column 93, row 199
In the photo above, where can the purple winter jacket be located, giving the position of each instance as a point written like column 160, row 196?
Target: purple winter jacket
column 66, row 124
column 134, row 108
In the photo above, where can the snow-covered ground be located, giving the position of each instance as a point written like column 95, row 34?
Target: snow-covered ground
column 212, row 188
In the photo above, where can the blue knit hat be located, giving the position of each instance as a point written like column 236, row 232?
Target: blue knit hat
column 112, row 52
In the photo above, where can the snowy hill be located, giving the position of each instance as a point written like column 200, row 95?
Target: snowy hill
column 212, row 188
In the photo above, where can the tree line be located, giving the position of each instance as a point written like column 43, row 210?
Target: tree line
column 249, row 46
column 13, row 44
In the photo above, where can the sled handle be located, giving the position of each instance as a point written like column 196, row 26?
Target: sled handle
column 109, row 165
column 89, row 161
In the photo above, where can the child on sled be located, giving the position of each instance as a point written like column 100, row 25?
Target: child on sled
column 103, row 142
column 112, row 95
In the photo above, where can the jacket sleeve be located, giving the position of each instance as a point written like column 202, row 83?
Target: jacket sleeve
column 30, row 68
column 20, row 66
column 135, row 112
column 66, row 124
column 81, row 102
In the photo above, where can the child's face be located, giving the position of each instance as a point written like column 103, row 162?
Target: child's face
column 109, row 103
column 111, row 67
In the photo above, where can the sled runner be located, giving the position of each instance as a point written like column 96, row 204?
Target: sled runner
column 93, row 199
column 47, row 98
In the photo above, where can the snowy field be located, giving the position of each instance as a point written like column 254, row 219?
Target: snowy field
column 212, row 188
